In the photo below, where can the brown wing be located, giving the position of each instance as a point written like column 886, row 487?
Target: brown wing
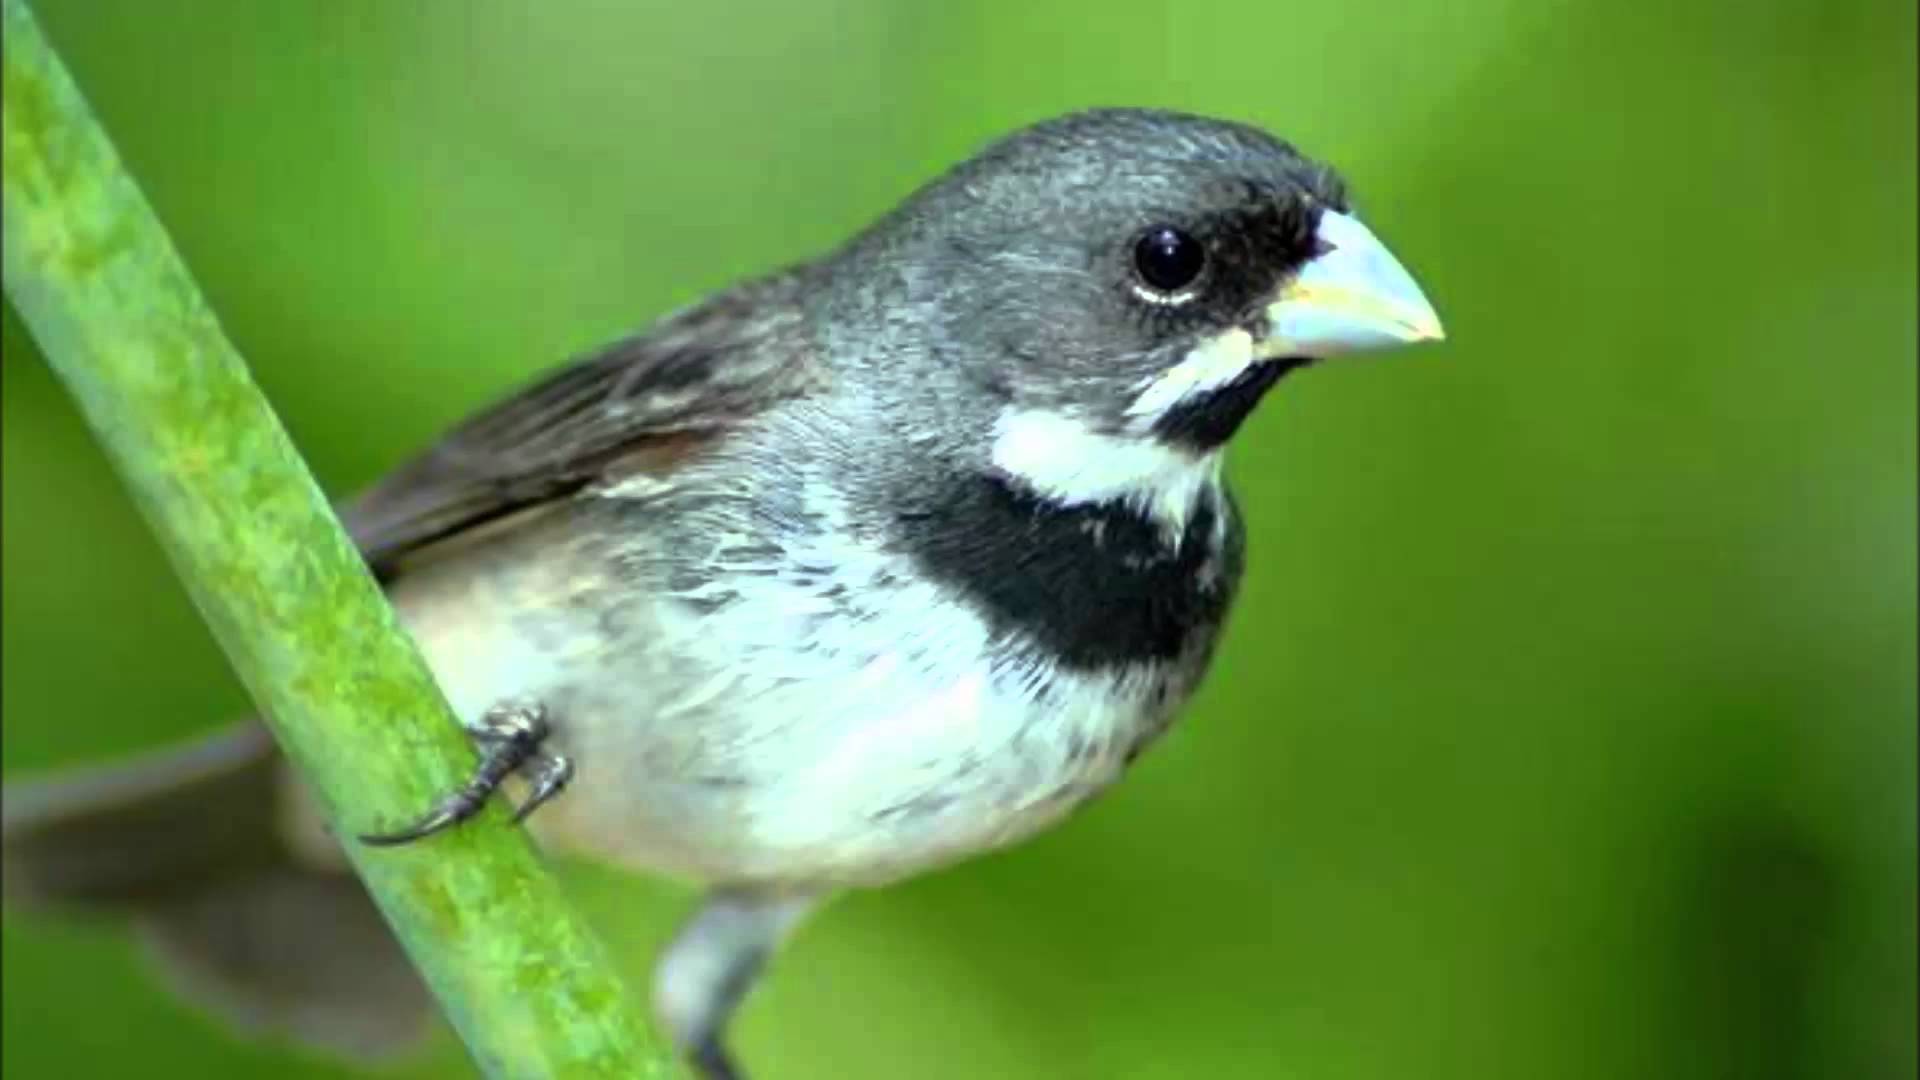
column 687, row 377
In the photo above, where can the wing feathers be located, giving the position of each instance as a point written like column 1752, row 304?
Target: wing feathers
column 695, row 373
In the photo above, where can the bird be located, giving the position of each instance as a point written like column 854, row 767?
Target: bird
column 854, row 570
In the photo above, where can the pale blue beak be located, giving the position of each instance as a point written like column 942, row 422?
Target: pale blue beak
column 1354, row 298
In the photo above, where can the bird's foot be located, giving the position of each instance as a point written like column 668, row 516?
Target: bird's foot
column 712, row 1062
column 510, row 736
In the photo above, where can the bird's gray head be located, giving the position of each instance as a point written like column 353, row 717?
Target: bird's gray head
column 1095, row 303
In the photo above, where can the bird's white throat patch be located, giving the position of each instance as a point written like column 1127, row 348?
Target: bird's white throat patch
column 1210, row 365
column 1061, row 458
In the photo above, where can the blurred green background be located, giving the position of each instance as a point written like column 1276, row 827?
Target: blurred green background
column 1567, row 724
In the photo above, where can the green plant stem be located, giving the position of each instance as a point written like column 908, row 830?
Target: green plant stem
column 96, row 278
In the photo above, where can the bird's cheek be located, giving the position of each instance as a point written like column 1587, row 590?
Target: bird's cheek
column 1209, row 363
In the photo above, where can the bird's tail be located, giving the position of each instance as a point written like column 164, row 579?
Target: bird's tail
column 189, row 843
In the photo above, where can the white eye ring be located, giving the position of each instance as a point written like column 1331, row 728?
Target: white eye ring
column 1164, row 299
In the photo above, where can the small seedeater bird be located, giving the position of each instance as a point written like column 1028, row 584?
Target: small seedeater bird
column 848, row 572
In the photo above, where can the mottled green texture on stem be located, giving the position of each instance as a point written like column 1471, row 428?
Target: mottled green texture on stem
column 95, row 276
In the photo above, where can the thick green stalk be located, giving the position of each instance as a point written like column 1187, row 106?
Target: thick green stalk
column 352, row 704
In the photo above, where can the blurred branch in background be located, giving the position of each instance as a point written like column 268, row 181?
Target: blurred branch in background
column 122, row 323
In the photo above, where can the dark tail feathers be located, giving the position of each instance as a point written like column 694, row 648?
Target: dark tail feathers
column 188, row 843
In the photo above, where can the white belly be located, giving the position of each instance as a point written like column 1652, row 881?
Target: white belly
column 780, row 736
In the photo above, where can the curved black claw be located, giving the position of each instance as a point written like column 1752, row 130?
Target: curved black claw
column 554, row 772
column 441, row 817
column 452, row 810
column 510, row 737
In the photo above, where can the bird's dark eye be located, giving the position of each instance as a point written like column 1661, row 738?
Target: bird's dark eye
column 1167, row 258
